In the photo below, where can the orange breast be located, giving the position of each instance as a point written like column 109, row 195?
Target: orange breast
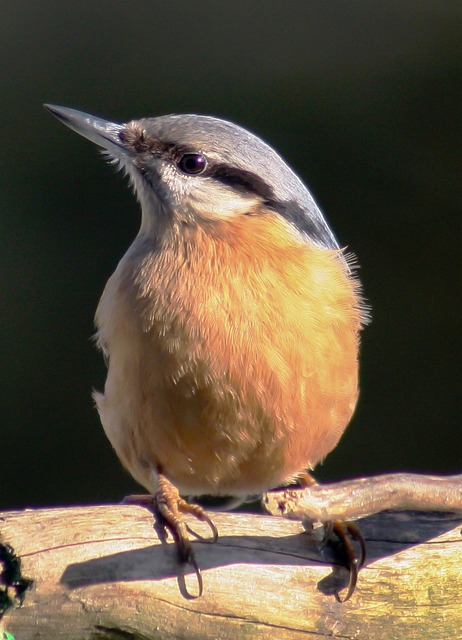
column 244, row 370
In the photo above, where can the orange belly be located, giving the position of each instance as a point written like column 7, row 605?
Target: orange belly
column 233, row 365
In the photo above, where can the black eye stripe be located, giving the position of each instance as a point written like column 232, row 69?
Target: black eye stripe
column 243, row 181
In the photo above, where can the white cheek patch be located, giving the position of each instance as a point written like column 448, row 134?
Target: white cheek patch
column 218, row 202
column 204, row 197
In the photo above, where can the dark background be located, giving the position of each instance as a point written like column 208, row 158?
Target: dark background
column 364, row 101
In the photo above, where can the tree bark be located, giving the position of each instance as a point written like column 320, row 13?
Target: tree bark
column 103, row 572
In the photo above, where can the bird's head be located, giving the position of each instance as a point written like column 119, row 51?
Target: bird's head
column 188, row 168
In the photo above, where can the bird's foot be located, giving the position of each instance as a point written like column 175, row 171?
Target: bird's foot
column 302, row 504
column 346, row 532
column 172, row 508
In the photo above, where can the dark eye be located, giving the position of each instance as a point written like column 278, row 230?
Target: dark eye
column 193, row 163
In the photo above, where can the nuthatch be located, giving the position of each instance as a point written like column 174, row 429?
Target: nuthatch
column 231, row 324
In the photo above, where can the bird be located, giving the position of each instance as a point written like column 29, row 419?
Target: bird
column 230, row 327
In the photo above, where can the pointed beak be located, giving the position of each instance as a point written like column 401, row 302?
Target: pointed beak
column 102, row 132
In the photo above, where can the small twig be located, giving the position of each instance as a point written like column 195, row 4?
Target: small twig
column 360, row 497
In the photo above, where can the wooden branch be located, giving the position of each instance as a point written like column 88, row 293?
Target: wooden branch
column 102, row 573
column 362, row 497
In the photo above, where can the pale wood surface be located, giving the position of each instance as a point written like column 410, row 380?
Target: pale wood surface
column 102, row 573
column 361, row 497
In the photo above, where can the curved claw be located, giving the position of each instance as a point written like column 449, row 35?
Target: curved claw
column 213, row 528
column 356, row 534
column 191, row 560
column 346, row 532
column 353, row 569
column 198, row 512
